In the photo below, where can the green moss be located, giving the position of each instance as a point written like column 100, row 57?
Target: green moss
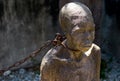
column 103, row 69
column 110, row 60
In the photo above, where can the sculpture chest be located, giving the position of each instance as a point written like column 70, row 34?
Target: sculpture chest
column 82, row 70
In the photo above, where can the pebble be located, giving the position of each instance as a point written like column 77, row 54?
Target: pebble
column 22, row 71
column 11, row 76
column 114, row 73
column 6, row 73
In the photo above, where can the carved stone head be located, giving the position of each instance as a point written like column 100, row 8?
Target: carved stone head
column 77, row 23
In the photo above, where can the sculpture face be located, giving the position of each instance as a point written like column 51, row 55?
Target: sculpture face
column 82, row 36
column 77, row 21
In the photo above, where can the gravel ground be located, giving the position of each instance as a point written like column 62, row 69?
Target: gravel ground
column 20, row 75
column 111, row 73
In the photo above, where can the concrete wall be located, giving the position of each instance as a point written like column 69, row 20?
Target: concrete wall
column 110, row 29
column 24, row 26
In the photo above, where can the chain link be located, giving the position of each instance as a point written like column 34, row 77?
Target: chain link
column 57, row 41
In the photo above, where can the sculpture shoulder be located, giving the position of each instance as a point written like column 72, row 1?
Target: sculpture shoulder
column 96, row 51
column 96, row 47
column 48, row 56
column 51, row 57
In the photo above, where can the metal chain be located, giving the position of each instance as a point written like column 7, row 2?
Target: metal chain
column 57, row 41
column 35, row 53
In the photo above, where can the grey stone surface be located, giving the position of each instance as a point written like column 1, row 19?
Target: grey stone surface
column 24, row 26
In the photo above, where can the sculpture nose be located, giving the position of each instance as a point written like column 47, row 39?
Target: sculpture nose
column 87, row 35
column 75, row 28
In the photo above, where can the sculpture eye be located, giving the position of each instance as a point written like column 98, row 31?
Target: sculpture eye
column 80, row 31
column 91, row 30
column 74, row 17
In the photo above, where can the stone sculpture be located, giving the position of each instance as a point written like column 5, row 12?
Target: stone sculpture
column 96, row 7
column 78, row 58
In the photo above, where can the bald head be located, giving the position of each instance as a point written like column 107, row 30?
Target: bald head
column 75, row 13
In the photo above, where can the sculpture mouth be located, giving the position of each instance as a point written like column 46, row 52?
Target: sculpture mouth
column 87, row 45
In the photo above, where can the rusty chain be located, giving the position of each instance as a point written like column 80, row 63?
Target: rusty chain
column 57, row 41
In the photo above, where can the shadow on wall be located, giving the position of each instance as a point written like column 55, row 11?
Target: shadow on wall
column 111, row 27
column 24, row 26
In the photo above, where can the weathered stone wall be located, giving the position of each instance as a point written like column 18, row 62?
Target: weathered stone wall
column 24, row 26
column 111, row 28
